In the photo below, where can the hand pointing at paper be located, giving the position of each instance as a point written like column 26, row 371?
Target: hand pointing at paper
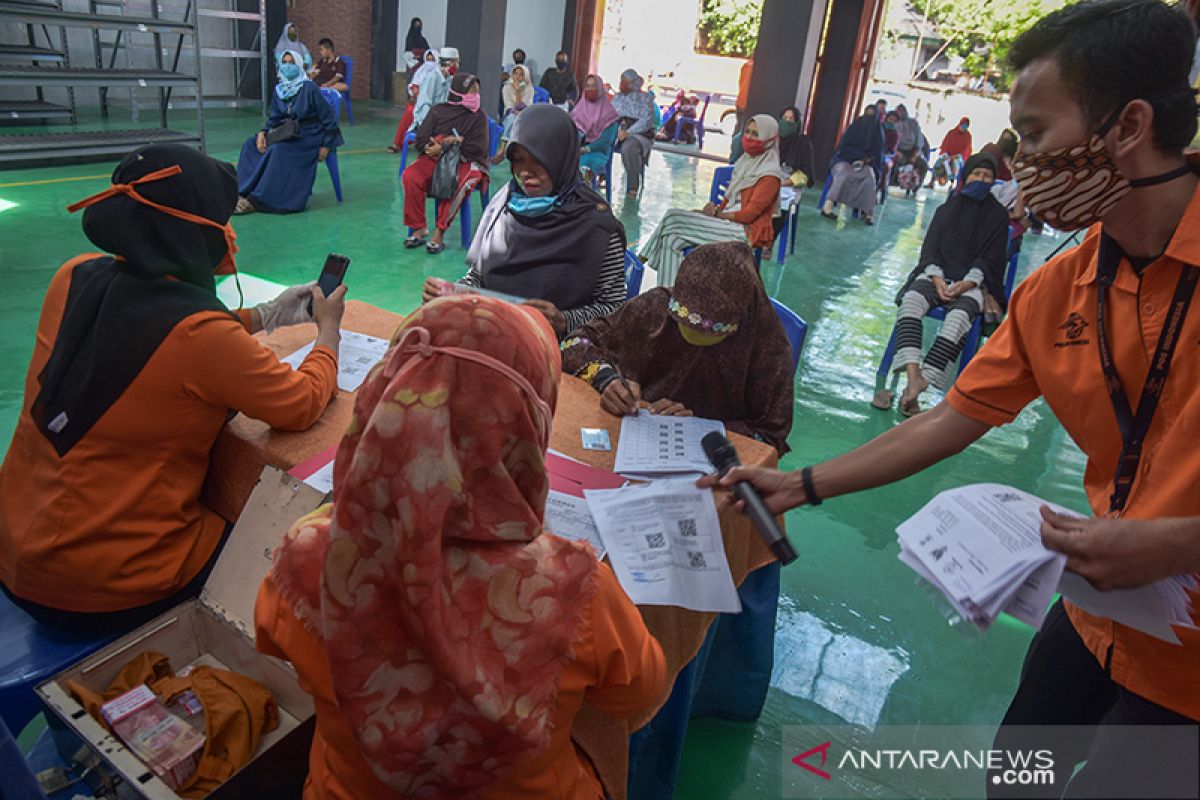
column 1123, row 553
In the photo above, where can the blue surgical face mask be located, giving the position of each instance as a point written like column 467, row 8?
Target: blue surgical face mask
column 290, row 71
column 528, row 206
column 977, row 190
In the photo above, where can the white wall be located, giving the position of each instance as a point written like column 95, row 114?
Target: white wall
column 535, row 26
column 433, row 21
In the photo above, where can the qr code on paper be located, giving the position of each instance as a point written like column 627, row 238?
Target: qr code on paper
column 656, row 541
column 687, row 527
column 696, row 560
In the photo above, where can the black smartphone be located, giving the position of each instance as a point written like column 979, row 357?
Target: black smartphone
column 332, row 275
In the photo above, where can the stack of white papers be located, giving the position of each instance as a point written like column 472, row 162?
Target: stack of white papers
column 653, row 447
column 981, row 547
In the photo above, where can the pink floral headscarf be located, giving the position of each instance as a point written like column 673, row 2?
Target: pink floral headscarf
column 446, row 614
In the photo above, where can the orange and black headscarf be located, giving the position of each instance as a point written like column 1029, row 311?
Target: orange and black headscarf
column 165, row 220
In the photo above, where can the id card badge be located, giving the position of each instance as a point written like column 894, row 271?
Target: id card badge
column 595, row 439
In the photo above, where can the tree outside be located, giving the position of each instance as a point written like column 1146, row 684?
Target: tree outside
column 728, row 27
column 981, row 31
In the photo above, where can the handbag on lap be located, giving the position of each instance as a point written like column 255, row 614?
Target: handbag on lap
column 288, row 129
column 444, row 183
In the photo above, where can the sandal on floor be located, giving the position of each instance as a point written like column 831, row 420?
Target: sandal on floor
column 883, row 399
column 433, row 248
column 868, row 220
column 910, row 408
column 244, row 206
column 391, row 148
column 414, row 241
column 828, row 214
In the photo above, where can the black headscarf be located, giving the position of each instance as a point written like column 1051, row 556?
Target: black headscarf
column 797, row 150
column 862, row 141
column 967, row 233
column 120, row 309
column 556, row 256
column 415, row 40
column 446, row 118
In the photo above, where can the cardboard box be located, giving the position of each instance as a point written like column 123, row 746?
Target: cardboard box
column 217, row 630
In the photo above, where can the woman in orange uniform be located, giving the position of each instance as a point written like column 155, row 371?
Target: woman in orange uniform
column 447, row 639
column 136, row 368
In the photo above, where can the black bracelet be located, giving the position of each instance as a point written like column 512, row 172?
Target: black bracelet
column 810, row 493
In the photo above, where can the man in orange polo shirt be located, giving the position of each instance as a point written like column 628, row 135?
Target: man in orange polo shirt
column 1104, row 109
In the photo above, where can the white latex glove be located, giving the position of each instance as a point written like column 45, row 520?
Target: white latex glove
column 289, row 308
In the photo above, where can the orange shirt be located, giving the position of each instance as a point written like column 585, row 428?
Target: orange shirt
column 117, row 522
column 758, row 206
column 618, row 667
column 1047, row 347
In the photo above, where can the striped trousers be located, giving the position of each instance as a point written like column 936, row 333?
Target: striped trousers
column 681, row 229
column 914, row 305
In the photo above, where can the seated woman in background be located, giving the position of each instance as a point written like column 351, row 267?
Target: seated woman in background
column 448, row 639
column 547, row 236
column 136, row 368
column 686, row 107
column 962, row 257
column 751, row 201
column 636, row 111
column 953, row 152
column 277, row 177
column 460, row 121
column 597, row 122
column 795, row 149
column 289, row 41
column 891, row 136
column 712, row 346
column 429, row 64
column 854, row 179
column 517, row 94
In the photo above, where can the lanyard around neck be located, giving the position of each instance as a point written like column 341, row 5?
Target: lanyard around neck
column 1135, row 425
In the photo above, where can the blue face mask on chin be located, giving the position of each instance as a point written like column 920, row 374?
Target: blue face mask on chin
column 977, row 190
column 290, row 71
column 528, row 206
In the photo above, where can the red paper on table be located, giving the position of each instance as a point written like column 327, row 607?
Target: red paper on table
column 311, row 466
column 572, row 477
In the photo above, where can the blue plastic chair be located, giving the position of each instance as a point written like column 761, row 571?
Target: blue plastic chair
column 31, row 653
column 409, row 138
column 346, row 94
column 716, row 193
column 331, row 160
column 607, row 177
column 971, row 343
column 795, row 328
column 634, row 269
column 541, row 95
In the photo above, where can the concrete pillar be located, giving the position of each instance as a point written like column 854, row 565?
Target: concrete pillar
column 384, row 20
column 476, row 28
column 833, row 80
column 782, row 53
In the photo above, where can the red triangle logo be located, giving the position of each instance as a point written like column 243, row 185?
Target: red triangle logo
column 802, row 760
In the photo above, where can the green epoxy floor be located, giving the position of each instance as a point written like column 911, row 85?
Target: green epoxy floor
column 857, row 640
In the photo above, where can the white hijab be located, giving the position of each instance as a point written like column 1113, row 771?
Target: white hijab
column 426, row 67
column 750, row 169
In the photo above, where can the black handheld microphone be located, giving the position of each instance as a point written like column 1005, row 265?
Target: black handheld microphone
column 722, row 455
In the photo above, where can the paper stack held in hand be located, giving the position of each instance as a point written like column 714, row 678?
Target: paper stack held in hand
column 981, row 547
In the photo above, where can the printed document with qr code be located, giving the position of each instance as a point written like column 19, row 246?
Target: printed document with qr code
column 664, row 542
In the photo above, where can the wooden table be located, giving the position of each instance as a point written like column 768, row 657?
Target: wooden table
column 246, row 446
